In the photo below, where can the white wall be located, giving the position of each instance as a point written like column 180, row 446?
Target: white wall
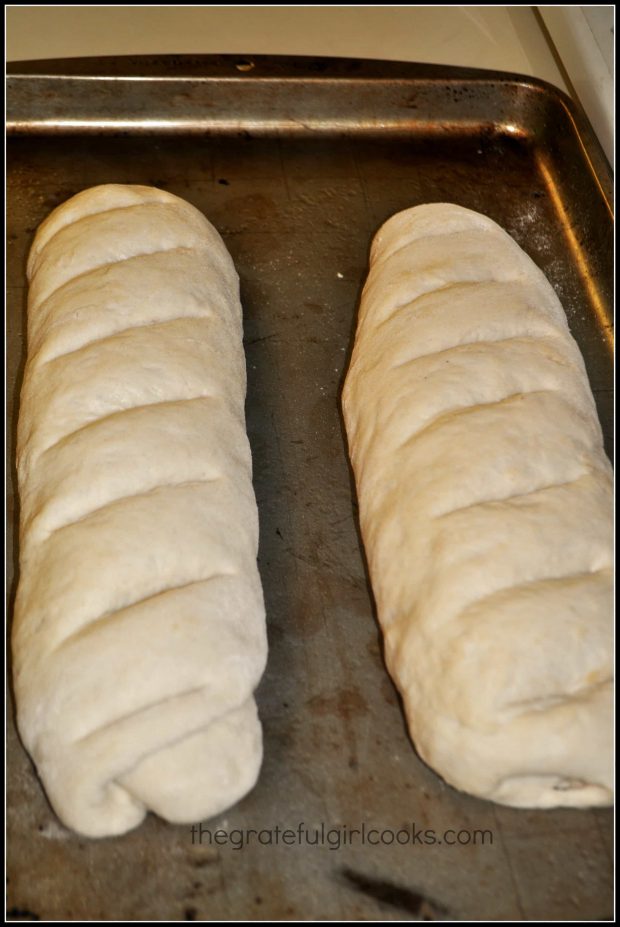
column 501, row 38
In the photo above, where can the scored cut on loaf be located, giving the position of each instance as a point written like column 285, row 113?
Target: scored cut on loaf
column 139, row 627
column 485, row 501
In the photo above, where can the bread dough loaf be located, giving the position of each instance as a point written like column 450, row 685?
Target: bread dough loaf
column 139, row 629
column 486, row 511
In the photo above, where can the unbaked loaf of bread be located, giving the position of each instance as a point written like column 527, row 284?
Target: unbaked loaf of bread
column 486, row 511
column 139, row 627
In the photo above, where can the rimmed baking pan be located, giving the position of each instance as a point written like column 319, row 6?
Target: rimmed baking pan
column 297, row 162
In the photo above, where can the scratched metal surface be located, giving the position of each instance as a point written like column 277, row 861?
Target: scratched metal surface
column 297, row 208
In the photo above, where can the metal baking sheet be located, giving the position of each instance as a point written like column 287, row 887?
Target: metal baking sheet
column 297, row 162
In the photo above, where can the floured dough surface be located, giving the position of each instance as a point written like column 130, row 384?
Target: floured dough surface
column 486, row 511
column 139, row 628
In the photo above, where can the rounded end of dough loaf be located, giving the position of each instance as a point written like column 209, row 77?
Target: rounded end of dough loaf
column 195, row 778
column 439, row 220
column 203, row 774
column 100, row 199
column 558, row 757
column 425, row 221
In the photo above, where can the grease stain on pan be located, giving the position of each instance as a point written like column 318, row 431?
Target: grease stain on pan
column 417, row 904
column 346, row 704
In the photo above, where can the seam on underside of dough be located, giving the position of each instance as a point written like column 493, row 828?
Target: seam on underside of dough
column 541, row 703
column 469, row 344
column 122, row 331
column 104, row 418
column 115, row 614
column 138, row 711
column 132, row 257
column 133, row 495
column 438, row 420
column 517, row 495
